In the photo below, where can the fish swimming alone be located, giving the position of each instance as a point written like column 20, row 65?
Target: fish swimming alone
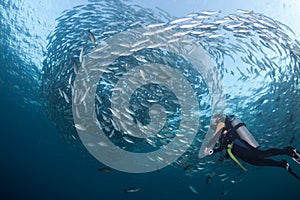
column 105, row 169
column 132, row 190
column 192, row 188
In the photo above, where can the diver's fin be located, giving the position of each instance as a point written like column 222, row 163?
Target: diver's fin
column 297, row 160
column 296, row 156
column 288, row 168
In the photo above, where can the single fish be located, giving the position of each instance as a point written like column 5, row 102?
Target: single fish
column 132, row 190
column 192, row 188
column 81, row 55
column 80, row 127
column 60, row 92
column 221, row 21
column 92, row 37
column 135, row 23
column 70, row 79
column 105, row 169
column 140, row 43
column 181, row 33
column 208, row 179
column 188, row 168
column 244, row 11
column 128, row 140
column 155, row 25
column 76, row 67
column 176, row 21
column 109, row 32
column 224, row 179
column 210, row 12
column 235, row 25
column 215, row 36
column 66, row 97
column 208, row 26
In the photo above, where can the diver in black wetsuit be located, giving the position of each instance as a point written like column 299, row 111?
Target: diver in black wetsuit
column 236, row 147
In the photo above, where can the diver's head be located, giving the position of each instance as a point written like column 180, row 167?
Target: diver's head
column 216, row 119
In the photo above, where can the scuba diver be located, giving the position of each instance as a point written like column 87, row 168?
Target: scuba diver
column 233, row 136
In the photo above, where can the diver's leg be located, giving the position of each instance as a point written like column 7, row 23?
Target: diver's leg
column 274, row 163
column 290, row 151
column 258, row 157
column 268, row 162
column 271, row 152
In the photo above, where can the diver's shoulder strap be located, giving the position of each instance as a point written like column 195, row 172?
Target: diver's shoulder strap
column 238, row 126
column 229, row 147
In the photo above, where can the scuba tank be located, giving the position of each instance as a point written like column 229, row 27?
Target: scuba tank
column 243, row 132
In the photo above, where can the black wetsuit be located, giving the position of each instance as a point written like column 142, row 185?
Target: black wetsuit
column 246, row 152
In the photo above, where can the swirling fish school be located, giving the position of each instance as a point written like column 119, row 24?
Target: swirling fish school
column 246, row 46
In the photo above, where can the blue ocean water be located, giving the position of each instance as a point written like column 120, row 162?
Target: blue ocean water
column 42, row 156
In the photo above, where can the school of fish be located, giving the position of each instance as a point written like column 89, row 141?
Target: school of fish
column 247, row 47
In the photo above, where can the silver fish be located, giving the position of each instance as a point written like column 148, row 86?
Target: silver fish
column 170, row 27
column 176, row 21
column 80, row 127
column 243, row 11
column 142, row 73
column 109, row 32
column 132, row 190
column 81, row 55
column 215, row 36
column 181, row 33
column 103, row 144
column 140, row 42
column 76, row 67
column 92, row 37
column 155, row 25
column 135, row 23
column 112, row 133
column 209, row 12
column 84, row 95
column 208, row 26
column 66, row 97
column 193, row 189
column 221, row 21
column 141, row 59
column 224, row 179
column 128, row 140
column 60, row 92
column 70, row 79
column 232, row 26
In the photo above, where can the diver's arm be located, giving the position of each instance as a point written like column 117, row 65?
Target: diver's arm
column 217, row 134
column 209, row 150
column 213, row 140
